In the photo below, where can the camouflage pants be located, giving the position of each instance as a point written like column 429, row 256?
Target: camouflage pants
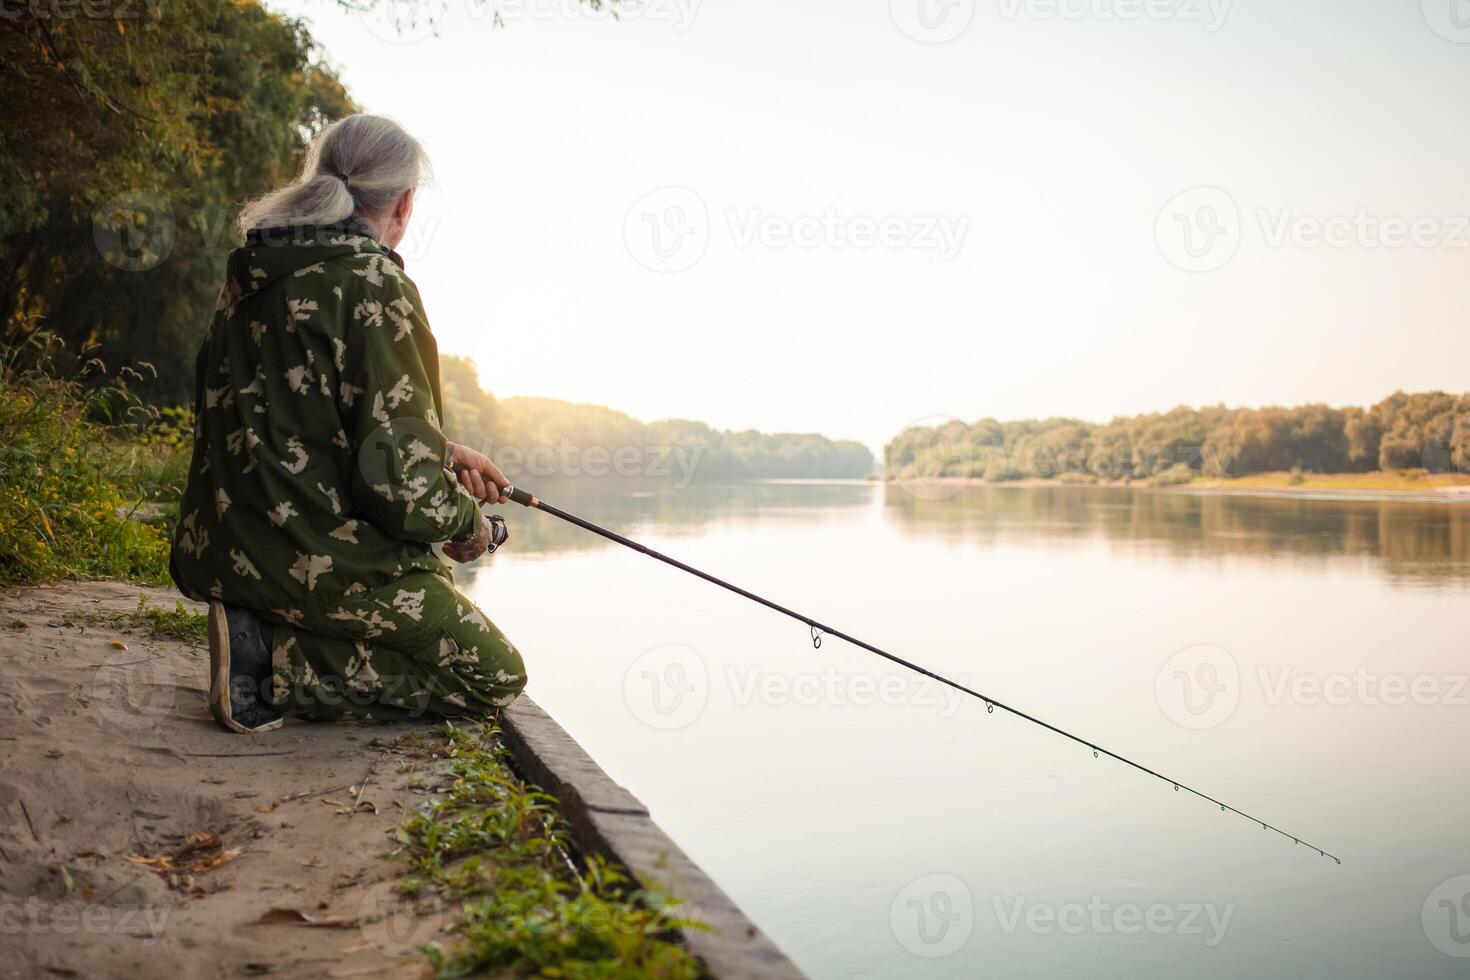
column 411, row 649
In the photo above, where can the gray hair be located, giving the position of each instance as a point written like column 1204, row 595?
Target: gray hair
column 358, row 166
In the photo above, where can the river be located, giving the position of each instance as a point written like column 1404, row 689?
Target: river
column 1304, row 660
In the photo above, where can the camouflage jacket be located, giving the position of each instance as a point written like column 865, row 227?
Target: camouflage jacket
column 318, row 466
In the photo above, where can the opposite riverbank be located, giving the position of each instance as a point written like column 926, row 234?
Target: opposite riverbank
column 1409, row 485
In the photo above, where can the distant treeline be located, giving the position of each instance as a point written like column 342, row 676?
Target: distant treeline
column 1404, row 431
column 544, row 437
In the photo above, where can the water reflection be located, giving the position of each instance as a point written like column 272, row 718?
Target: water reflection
column 1407, row 539
column 631, row 508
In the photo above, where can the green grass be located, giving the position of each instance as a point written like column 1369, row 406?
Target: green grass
column 83, row 468
column 495, row 847
column 177, row 623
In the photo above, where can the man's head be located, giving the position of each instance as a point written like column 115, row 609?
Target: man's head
column 364, row 166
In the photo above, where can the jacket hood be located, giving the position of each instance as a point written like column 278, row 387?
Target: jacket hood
column 271, row 254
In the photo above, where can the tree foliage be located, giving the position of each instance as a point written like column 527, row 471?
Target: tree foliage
column 559, row 430
column 129, row 133
column 1429, row 430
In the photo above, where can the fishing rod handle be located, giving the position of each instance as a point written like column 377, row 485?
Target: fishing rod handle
column 521, row 497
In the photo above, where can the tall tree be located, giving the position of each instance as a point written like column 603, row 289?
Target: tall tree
column 129, row 133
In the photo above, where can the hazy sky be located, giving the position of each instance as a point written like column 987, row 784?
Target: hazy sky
column 812, row 215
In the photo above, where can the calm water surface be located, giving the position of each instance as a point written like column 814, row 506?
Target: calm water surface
column 1304, row 660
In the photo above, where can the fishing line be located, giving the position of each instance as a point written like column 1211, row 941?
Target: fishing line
column 820, row 630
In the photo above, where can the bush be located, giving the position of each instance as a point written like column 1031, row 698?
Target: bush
column 999, row 470
column 1174, row 476
column 73, row 481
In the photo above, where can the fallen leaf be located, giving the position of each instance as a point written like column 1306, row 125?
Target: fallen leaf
column 203, row 852
column 302, row 919
column 159, row 864
column 266, row 807
column 118, row 645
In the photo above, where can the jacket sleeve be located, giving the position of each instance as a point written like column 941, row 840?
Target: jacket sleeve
column 390, row 400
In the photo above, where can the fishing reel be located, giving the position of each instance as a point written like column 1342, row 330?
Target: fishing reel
column 499, row 533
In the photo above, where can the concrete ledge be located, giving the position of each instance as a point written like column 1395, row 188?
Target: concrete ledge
column 604, row 818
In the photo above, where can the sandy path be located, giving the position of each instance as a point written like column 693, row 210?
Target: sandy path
column 106, row 752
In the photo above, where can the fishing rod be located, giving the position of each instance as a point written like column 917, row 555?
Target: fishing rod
column 819, row 629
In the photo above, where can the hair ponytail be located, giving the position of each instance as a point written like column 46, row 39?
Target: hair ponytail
column 358, row 165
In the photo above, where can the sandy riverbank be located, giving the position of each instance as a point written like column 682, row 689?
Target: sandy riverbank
column 109, row 752
column 110, row 767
